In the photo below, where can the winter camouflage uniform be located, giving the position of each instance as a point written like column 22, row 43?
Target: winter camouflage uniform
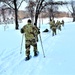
column 58, row 25
column 30, row 39
column 53, row 27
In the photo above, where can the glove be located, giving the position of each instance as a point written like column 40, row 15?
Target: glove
column 38, row 31
column 22, row 31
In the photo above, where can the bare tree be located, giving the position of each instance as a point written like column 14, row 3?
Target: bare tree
column 41, row 4
column 30, row 8
column 16, row 11
column 39, row 7
column 52, row 9
column 36, row 7
column 3, row 14
column 51, row 12
column 71, row 8
column 14, row 4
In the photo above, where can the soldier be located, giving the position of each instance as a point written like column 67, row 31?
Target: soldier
column 30, row 38
column 53, row 27
column 58, row 25
column 51, row 23
column 62, row 23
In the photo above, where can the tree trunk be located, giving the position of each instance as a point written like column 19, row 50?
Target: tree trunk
column 36, row 18
column 50, row 18
column 32, row 17
column 73, row 15
column 3, row 15
column 16, row 20
column 16, row 16
column 73, row 19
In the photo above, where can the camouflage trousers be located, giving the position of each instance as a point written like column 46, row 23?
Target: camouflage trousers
column 59, row 28
column 53, row 32
column 28, row 44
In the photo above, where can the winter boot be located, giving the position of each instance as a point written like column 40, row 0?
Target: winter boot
column 36, row 53
column 27, row 58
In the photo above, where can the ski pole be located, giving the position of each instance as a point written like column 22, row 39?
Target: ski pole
column 21, row 45
column 42, row 46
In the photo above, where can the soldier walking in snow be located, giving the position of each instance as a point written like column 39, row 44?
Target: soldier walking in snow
column 53, row 27
column 58, row 25
column 62, row 23
column 30, row 39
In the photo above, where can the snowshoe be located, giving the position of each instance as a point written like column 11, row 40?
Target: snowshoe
column 27, row 58
column 36, row 53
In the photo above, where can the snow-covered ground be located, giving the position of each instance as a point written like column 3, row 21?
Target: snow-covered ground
column 59, row 51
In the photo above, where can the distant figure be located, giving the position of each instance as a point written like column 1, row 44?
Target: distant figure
column 62, row 23
column 30, row 38
column 58, row 25
column 53, row 27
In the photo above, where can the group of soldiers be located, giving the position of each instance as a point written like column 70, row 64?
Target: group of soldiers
column 54, row 26
column 31, row 32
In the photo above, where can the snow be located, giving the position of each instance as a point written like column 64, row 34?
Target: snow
column 59, row 51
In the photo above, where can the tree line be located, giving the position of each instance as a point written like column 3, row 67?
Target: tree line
column 35, row 7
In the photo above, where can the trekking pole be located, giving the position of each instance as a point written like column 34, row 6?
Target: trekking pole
column 21, row 45
column 42, row 46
